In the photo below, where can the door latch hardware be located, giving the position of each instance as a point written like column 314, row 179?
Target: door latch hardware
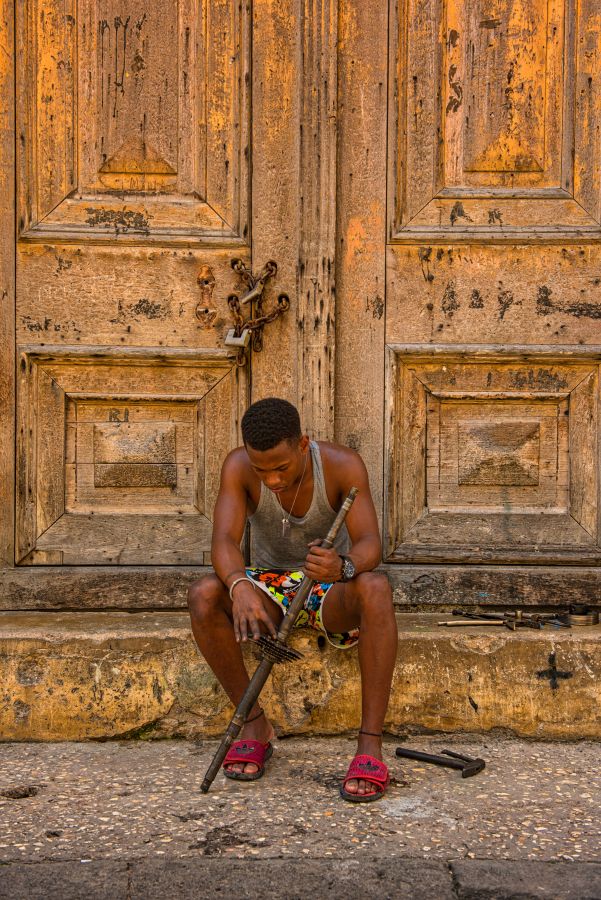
column 205, row 312
column 252, row 327
column 234, row 340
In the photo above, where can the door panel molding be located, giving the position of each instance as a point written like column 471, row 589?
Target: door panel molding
column 120, row 453
column 494, row 455
column 135, row 128
column 493, row 120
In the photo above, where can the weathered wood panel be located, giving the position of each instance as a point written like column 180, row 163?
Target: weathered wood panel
column 318, row 178
column 583, row 73
column 128, row 539
column 361, row 233
column 147, row 102
column 584, row 466
column 276, row 208
column 419, row 586
column 494, row 294
column 294, row 172
column 414, row 586
column 7, row 284
column 129, row 296
column 120, row 453
column 97, row 587
column 494, row 112
column 495, row 457
column 133, row 196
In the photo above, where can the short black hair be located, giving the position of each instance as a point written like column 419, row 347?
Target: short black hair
column 268, row 422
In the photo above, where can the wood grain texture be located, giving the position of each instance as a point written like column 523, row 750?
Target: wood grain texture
column 135, row 121
column 479, row 586
column 7, row 284
column 361, row 234
column 493, row 112
column 128, row 539
column 136, row 297
column 316, row 319
column 584, row 454
column 97, row 587
column 415, row 587
column 503, row 467
column 413, row 422
column 585, row 71
column 503, row 295
column 276, row 207
column 120, row 453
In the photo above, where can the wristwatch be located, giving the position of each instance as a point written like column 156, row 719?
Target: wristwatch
column 348, row 569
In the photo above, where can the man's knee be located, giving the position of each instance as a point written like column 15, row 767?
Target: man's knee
column 205, row 596
column 375, row 595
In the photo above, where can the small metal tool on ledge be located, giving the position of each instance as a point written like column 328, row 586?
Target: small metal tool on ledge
column 512, row 620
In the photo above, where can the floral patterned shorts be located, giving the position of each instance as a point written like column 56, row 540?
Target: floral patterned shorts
column 282, row 586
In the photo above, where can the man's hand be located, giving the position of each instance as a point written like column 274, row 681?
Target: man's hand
column 322, row 565
column 248, row 612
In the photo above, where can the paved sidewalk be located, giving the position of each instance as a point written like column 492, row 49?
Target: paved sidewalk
column 126, row 819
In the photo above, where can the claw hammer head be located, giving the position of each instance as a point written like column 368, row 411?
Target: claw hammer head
column 472, row 768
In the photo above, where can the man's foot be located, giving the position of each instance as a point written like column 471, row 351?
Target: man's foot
column 258, row 728
column 370, row 745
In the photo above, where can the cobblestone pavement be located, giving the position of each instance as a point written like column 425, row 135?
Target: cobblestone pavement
column 137, row 801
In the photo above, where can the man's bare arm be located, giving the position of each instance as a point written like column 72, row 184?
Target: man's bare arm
column 229, row 520
column 361, row 522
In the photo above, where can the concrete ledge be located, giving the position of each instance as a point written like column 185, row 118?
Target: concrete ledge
column 75, row 676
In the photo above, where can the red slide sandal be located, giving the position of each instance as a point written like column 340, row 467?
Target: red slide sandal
column 247, row 752
column 366, row 768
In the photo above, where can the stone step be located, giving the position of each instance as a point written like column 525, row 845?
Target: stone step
column 77, row 676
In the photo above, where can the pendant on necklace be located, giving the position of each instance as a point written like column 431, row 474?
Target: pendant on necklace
column 285, row 527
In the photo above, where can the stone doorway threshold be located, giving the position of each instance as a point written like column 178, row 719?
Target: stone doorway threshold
column 99, row 675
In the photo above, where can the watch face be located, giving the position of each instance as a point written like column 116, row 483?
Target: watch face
column 348, row 569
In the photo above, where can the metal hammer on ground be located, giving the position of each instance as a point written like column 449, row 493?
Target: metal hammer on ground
column 466, row 764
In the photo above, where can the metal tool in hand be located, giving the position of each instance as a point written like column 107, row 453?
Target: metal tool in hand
column 273, row 650
column 468, row 765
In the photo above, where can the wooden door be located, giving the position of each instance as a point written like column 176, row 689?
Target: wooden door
column 151, row 144
column 471, row 289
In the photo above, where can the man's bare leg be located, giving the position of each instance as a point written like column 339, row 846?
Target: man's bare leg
column 366, row 603
column 211, row 615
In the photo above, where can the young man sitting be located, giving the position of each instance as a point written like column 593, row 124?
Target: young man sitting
column 289, row 488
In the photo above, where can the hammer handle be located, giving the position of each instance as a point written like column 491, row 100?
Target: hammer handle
column 429, row 757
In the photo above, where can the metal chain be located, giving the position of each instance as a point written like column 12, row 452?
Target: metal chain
column 255, row 292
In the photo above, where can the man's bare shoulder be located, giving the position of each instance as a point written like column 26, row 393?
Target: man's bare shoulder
column 339, row 461
column 236, row 469
column 338, row 452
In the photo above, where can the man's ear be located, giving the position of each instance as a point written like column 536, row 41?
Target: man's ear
column 304, row 443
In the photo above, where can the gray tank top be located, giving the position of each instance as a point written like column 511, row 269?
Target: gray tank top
column 269, row 550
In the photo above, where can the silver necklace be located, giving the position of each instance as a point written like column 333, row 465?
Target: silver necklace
column 286, row 519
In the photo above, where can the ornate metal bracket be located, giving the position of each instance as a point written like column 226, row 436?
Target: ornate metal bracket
column 249, row 330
